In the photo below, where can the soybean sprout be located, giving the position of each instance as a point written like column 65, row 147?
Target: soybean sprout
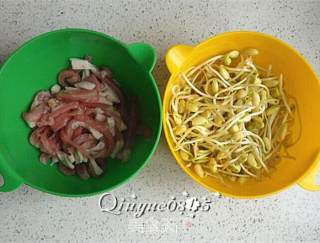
column 229, row 117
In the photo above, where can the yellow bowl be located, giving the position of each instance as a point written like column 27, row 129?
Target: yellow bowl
column 300, row 81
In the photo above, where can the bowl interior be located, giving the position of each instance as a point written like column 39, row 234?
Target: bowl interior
column 35, row 67
column 300, row 81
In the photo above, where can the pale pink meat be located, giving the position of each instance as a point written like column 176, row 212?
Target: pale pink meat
column 77, row 95
column 76, row 125
column 41, row 97
column 77, row 132
column 35, row 113
column 63, row 108
column 48, row 142
column 44, row 158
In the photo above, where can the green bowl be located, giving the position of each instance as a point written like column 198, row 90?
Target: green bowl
column 34, row 67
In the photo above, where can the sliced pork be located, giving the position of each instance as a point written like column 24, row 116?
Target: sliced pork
column 82, row 120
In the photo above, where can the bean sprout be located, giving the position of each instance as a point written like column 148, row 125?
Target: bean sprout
column 229, row 117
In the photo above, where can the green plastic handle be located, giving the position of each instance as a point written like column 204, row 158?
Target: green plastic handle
column 144, row 54
column 9, row 181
